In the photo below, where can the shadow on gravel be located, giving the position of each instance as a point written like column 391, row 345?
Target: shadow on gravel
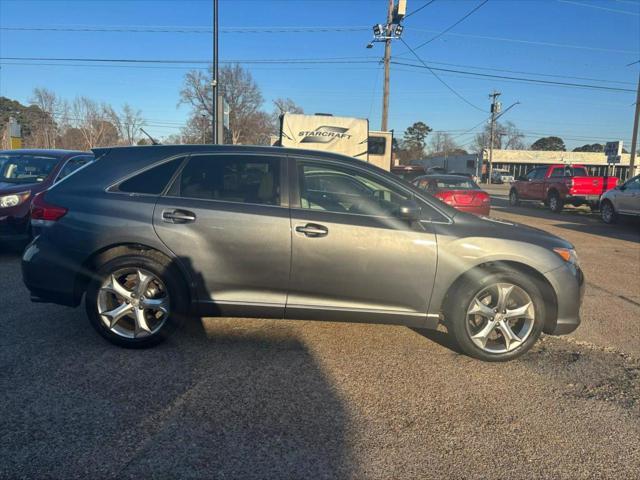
column 230, row 399
column 579, row 220
column 439, row 337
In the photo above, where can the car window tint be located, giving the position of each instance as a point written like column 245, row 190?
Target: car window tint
column 633, row 184
column 557, row 172
column 539, row 173
column 377, row 145
column 231, row 178
column 456, row 184
column 532, row 174
column 337, row 189
column 152, row 181
column 72, row 165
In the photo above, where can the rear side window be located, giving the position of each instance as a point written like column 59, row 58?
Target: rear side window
column 72, row 165
column 152, row 181
column 231, row 178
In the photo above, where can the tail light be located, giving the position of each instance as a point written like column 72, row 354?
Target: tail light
column 473, row 198
column 446, row 197
column 43, row 213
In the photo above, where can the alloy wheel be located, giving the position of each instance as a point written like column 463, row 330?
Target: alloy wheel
column 500, row 318
column 133, row 303
column 607, row 212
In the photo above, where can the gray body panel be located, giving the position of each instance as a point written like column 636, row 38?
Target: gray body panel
column 242, row 259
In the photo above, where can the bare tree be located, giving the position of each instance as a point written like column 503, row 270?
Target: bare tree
column 442, row 143
column 45, row 131
column 127, row 123
column 242, row 94
column 93, row 121
column 506, row 136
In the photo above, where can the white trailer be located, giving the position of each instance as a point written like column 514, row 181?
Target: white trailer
column 345, row 135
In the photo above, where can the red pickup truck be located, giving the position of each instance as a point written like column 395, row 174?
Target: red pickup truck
column 558, row 185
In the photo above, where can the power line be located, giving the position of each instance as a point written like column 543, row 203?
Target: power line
column 615, row 10
column 531, row 42
column 418, row 9
column 438, row 78
column 198, row 30
column 455, row 24
column 171, row 64
column 518, row 79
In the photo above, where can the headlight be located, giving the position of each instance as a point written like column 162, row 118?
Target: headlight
column 14, row 199
column 569, row 255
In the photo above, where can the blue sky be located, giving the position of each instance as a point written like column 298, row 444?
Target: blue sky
column 567, row 38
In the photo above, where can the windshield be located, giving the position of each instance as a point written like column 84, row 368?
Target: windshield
column 25, row 168
column 456, row 184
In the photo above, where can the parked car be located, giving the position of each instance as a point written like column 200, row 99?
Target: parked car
column 23, row 174
column 499, row 175
column 151, row 235
column 622, row 200
column 558, row 185
column 408, row 172
column 460, row 192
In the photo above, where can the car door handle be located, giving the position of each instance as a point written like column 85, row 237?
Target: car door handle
column 313, row 230
column 178, row 216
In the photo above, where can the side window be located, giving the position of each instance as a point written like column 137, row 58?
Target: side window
column 342, row 190
column 72, row 165
column 633, row 184
column 557, row 172
column 152, row 181
column 231, row 178
column 377, row 145
column 532, row 174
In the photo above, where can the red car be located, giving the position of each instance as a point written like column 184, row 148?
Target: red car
column 23, row 174
column 559, row 185
column 460, row 192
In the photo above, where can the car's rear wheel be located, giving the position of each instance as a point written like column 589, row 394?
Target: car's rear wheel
column 555, row 202
column 608, row 213
column 514, row 200
column 135, row 301
column 495, row 317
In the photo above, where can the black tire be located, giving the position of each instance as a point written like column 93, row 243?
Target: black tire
column 464, row 292
column 608, row 212
column 162, row 269
column 514, row 200
column 555, row 202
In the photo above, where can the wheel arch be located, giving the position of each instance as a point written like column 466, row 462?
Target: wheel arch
column 109, row 252
column 548, row 293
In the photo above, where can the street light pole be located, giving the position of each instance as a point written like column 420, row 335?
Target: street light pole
column 634, row 135
column 387, row 63
column 495, row 106
column 214, row 79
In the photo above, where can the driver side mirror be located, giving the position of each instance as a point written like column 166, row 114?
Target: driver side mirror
column 409, row 211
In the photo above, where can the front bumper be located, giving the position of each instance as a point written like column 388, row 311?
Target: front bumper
column 568, row 283
column 13, row 228
column 50, row 274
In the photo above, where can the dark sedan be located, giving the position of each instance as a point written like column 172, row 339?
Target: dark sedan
column 460, row 192
column 23, row 174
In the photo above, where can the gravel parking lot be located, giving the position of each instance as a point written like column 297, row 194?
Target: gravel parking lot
column 281, row 399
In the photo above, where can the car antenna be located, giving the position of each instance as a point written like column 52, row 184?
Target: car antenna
column 153, row 140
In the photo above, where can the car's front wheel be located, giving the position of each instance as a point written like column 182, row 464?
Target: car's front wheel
column 514, row 201
column 608, row 213
column 135, row 301
column 497, row 316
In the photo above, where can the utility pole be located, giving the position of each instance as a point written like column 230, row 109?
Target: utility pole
column 387, row 63
column 214, row 79
column 634, row 135
column 495, row 109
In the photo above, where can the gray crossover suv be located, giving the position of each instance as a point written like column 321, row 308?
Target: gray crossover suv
column 152, row 235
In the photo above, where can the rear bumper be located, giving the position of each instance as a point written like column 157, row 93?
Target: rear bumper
column 582, row 199
column 568, row 284
column 50, row 274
